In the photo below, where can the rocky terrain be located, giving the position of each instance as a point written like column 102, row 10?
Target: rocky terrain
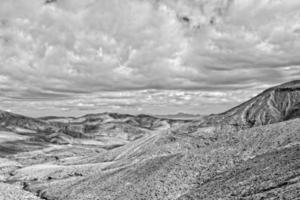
column 249, row 152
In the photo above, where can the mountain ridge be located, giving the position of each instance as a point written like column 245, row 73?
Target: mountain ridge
column 273, row 105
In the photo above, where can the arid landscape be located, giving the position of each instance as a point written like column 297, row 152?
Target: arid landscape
column 149, row 99
column 250, row 152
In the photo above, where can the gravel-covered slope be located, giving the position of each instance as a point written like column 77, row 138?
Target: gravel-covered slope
column 272, row 175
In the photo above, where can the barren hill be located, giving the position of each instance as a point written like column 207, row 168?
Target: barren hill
column 276, row 104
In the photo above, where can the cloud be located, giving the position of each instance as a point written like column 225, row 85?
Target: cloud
column 65, row 49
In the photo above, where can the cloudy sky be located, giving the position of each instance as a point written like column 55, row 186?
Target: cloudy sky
column 71, row 57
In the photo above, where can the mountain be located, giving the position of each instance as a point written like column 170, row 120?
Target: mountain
column 13, row 121
column 275, row 104
column 106, row 130
column 111, row 156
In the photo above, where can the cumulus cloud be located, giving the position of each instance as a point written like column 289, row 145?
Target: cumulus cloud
column 66, row 54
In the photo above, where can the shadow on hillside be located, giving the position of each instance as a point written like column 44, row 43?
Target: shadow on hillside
column 14, row 147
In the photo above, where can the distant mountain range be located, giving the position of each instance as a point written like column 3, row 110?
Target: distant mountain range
column 180, row 115
column 273, row 105
column 61, row 130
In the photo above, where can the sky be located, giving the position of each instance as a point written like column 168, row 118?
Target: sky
column 72, row 57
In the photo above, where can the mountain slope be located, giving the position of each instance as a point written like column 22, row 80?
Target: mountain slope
column 273, row 175
column 276, row 104
column 105, row 130
column 10, row 120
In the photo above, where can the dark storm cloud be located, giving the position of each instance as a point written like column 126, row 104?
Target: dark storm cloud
column 50, row 1
column 39, row 95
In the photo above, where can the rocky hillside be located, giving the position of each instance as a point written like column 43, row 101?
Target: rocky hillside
column 276, row 104
column 273, row 175
column 107, row 130
column 13, row 121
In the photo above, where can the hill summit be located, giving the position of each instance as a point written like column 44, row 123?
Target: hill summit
column 276, row 104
